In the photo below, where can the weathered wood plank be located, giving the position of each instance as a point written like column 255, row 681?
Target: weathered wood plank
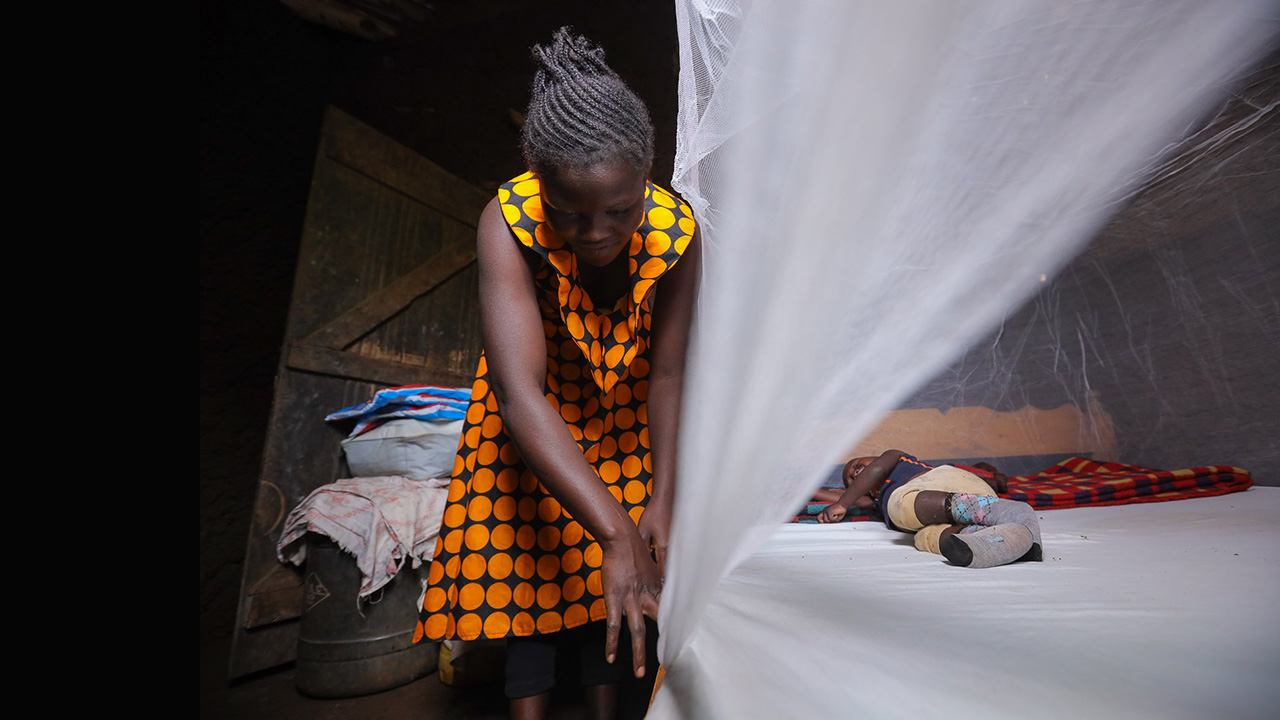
column 440, row 329
column 375, row 209
column 339, row 16
column 370, row 153
column 301, row 453
column 274, row 598
column 348, row 327
column 338, row 363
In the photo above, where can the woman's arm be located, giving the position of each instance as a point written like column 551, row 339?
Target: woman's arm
column 674, row 301
column 515, row 350
column 860, row 482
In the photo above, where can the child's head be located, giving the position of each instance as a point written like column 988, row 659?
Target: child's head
column 853, row 467
column 581, row 113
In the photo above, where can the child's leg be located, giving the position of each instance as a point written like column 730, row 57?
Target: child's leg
column 934, row 507
column 930, row 508
column 979, row 546
column 929, row 538
column 969, row 509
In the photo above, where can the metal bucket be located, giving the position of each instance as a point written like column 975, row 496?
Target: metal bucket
column 345, row 650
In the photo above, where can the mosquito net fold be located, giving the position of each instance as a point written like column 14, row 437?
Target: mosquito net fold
column 888, row 193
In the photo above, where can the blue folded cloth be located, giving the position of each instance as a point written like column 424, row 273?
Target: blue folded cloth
column 423, row 402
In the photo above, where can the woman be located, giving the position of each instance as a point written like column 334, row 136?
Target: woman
column 564, row 479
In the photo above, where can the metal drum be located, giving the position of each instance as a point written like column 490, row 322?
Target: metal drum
column 345, row 649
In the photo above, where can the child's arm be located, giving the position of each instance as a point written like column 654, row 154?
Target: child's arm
column 860, row 480
column 825, row 495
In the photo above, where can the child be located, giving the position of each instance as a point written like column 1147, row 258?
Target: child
column 952, row 512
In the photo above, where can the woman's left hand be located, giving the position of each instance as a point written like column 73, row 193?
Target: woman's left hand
column 632, row 588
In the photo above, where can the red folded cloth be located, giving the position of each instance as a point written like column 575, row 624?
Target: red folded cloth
column 1078, row 482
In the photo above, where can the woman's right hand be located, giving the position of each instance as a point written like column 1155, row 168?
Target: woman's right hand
column 632, row 587
column 654, row 528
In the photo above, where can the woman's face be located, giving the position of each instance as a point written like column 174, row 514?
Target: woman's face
column 595, row 211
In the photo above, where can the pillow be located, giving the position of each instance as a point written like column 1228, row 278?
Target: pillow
column 416, row 449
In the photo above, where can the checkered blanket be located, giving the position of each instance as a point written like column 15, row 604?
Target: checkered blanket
column 1078, row 482
column 810, row 512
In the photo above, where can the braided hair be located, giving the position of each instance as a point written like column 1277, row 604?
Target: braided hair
column 581, row 113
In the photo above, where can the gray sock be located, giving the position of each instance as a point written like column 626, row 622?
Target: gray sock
column 982, row 547
column 967, row 509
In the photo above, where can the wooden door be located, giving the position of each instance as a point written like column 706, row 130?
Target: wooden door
column 384, row 295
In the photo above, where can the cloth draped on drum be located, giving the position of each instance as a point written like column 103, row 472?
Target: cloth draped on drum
column 510, row 560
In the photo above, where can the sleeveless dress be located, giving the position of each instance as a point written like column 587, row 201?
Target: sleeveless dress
column 510, row 561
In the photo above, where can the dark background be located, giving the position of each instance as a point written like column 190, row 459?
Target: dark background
column 444, row 87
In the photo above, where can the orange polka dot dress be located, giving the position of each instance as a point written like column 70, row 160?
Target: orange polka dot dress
column 510, row 560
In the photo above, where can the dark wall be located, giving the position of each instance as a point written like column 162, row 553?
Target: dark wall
column 443, row 87
column 1171, row 317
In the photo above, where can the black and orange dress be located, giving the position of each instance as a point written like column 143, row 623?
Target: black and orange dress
column 510, row 561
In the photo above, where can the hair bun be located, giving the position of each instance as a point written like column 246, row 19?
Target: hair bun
column 569, row 56
column 581, row 112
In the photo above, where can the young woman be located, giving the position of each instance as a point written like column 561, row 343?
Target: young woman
column 561, row 497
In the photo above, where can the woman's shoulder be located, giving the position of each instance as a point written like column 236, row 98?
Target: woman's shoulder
column 494, row 234
column 491, row 216
column 519, row 204
column 667, row 230
column 658, row 196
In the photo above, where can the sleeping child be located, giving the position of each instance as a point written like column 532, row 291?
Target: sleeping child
column 952, row 512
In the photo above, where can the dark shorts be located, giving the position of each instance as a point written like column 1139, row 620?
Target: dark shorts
column 534, row 662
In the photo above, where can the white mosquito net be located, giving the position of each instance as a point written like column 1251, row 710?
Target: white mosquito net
column 888, row 194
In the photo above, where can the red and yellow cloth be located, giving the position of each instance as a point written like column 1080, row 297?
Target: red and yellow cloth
column 1078, row 482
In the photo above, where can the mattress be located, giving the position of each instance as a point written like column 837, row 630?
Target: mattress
column 1159, row 610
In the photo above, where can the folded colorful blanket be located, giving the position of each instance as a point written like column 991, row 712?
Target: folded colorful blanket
column 423, row 402
column 1078, row 482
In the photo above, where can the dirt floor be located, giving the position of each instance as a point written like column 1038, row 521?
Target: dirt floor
column 443, row 87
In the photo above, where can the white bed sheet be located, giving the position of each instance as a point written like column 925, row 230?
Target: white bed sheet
column 1159, row 610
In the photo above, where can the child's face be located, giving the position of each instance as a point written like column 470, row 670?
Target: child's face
column 595, row 211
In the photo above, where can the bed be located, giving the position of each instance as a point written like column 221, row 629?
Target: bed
column 1155, row 610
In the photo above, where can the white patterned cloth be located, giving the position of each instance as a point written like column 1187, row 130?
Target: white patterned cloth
column 381, row 521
